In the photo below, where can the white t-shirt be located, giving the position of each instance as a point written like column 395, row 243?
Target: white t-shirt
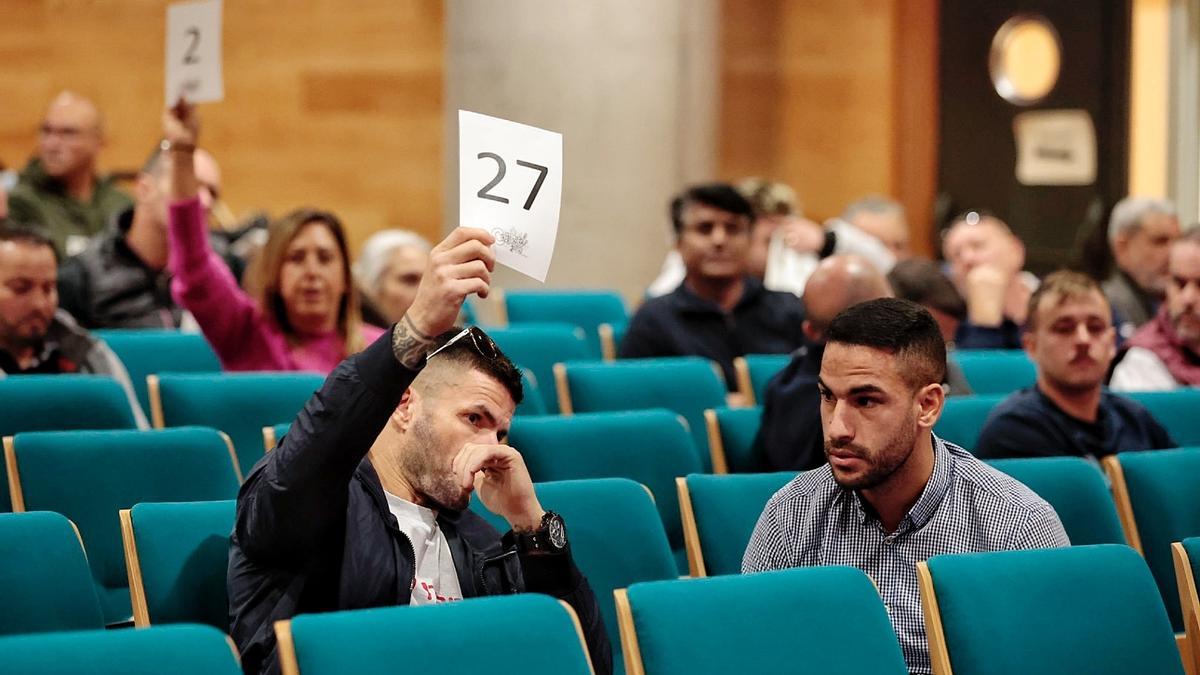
column 1142, row 370
column 435, row 579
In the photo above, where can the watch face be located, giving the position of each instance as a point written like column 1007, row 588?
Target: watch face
column 556, row 533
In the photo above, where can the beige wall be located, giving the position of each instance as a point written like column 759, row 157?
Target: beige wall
column 323, row 106
column 1150, row 74
column 630, row 86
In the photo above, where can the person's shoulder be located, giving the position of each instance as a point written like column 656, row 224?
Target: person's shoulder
column 1125, row 405
column 1022, row 403
column 809, row 489
column 981, row 482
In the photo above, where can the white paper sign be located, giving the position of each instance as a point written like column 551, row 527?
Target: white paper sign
column 1055, row 147
column 510, row 184
column 194, row 52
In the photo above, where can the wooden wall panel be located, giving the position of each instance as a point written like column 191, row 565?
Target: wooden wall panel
column 330, row 104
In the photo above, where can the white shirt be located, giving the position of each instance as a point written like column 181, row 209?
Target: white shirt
column 1142, row 370
column 434, row 579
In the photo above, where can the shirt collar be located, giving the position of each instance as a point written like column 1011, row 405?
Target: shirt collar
column 931, row 497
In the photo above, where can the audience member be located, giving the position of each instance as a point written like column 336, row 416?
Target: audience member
column 35, row 336
column 789, row 438
column 1165, row 353
column 883, row 219
column 388, row 272
column 1140, row 232
column 892, row 493
column 59, row 189
column 364, row 502
column 1070, row 337
column 719, row 311
column 301, row 311
column 923, row 282
column 985, row 260
column 120, row 280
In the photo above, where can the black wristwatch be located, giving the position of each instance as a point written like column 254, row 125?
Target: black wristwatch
column 549, row 538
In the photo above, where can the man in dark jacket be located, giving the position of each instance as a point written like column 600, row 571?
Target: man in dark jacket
column 364, row 501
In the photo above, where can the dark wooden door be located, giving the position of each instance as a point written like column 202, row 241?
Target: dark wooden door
column 977, row 150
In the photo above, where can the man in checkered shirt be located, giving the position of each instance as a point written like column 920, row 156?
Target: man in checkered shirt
column 892, row 493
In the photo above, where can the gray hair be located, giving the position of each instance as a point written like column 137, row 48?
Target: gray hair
column 377, row 252
column 872, row 204
column 1129, row 213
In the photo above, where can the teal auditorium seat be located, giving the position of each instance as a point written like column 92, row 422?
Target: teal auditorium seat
column 240, row 404
column 45, row 584
column 996, row 371
column 1178, row 411
column 533, row 402
column 53, row 402
column 1081, row 609
column 528, row 633
column 719, row 515
column 731, row 435
column 611, row 336
column 1077, row 490
column 1187, row 570
column 615, row 534
column 538, row 346
column 1158, row 488
column 177, row 554
column 827, row 620
column 178, row 650
column 88, row 476
column 149, row 352
column 647, row 446
column 687, row 385
column 755, row 371
column 584, row 308
column 963, row 417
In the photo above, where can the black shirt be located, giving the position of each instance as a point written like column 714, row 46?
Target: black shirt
column 682, row 323
column 1029, row 424
column 791, row 438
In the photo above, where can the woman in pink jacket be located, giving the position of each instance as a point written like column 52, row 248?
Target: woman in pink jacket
column 300, row 310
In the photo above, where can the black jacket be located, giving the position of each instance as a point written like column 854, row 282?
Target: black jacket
column 314, row 533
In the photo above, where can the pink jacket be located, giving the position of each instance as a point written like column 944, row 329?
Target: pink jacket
column 242, row 336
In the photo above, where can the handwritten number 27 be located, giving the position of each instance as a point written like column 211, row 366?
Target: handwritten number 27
column 501, row 169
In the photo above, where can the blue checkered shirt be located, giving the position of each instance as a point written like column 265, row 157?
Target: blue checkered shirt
column 966, row 506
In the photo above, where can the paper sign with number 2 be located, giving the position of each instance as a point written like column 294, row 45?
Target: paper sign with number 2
column 194, row 52
column 510, row 184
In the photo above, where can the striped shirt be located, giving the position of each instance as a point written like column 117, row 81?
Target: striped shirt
column 966, row 506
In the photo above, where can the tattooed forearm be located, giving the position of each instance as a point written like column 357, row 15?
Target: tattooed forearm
column 409, row 344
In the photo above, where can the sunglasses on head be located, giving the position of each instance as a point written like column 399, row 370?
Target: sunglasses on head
column 479, row 339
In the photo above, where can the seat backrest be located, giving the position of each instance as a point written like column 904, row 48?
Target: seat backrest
column 1080, row 609
column 151, row 351
column 1156, row 491
column 240, row 404
column 719, row 515
column 593, row 510
column 963, row 417
column 88, row 476
column 44, row 578
column 538, row 346
column 1187, row 570
column 755, row 372
column 533, row 402
column 687, row 385
column 535, row 631
column 586, row 309
column 799, row 620
column 731, row 434
column 177, row 554
column 611, row 336
column 1078, row 492
column 59, row 402
column 650, row 447
column 996, row 371
column 1175, row 410
column 179, row 650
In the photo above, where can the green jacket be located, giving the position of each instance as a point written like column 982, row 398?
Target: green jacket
column 41, row 200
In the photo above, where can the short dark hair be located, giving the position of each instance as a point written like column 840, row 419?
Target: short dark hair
column 717, row 195
column 900, row 327
column 30, row 235
column 923, row 282
column 464, row 353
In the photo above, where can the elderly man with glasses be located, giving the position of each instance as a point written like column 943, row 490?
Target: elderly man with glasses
column 364, row 503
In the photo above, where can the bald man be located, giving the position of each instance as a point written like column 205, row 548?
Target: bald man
column 59, row 189
column 790, row 438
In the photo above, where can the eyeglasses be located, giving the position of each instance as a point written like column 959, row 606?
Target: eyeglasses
column 479, row 339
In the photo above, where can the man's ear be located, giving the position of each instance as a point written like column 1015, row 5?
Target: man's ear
column 403, row 415
column 930, row 401
column 1029, row 340
column 810, row 331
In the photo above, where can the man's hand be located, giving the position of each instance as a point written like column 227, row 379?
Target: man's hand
column 986, row 287
column 802, row 235
column 181, row 124
column 499, row 476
